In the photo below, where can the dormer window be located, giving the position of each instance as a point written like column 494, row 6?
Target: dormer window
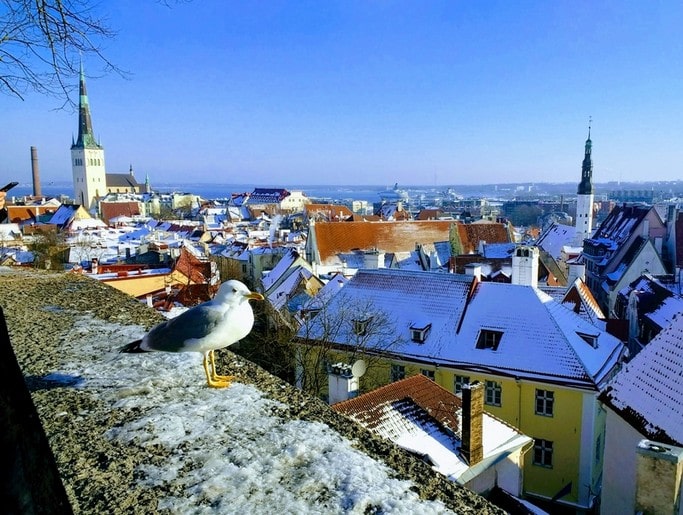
column 360, row 326
column 590, row 339
column 489, row 339
column 419, row 332
column 310, row 313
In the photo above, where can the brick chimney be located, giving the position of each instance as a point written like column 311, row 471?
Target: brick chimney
column 472, row 430
column 35, row 170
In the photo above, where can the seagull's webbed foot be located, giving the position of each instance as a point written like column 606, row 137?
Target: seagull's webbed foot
column 215, row 376
column 217, row 384
column 212, row 378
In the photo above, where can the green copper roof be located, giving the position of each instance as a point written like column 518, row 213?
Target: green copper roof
column 86, row 137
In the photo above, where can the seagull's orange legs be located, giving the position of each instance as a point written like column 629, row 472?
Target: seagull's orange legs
column 212, row 378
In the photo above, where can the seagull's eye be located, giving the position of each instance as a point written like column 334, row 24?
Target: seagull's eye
column 234, row 290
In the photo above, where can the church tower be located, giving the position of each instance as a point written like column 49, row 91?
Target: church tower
column 87, row 157
column 584, row 199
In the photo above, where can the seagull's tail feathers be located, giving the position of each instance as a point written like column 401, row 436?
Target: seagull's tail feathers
column 133, row 347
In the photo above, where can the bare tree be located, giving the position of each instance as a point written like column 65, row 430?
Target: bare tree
column 49, row 250
column 352, row 328
column 42, row 41
column 87, row 246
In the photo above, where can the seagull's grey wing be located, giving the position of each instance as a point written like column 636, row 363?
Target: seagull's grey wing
column 173, row 335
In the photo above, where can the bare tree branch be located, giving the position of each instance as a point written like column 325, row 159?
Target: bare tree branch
column 42, row 43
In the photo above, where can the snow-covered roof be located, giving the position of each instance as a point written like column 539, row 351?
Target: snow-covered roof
column 86, row 223
column 555, row 237
column 647, row 392
column 280, row 295
column 64, row 213
column 580, row 299
column 285, row 262
column 540, row 337
column 656, row 302
column 424, row 418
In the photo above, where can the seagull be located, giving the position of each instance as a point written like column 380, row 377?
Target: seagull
column 211, row 325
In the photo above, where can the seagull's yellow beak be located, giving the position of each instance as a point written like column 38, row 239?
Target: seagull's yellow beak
column 254, row 296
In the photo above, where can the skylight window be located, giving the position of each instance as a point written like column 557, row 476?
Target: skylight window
column 489, row 339
column 590, row 339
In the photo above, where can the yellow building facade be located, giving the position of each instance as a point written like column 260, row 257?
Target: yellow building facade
column 541, row 364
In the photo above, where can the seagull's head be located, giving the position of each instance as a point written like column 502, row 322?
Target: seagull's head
column 235, row 292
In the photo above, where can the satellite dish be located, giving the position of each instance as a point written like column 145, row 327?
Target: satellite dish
column 359, row 368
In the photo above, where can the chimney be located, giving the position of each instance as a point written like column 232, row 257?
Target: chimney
column 473, row 269
column 36, row 172
column 472, row 430
column 343, row 385
column 658, row 478
column 646, row 228
column 373, row 259
column 576, row 271
column 525, row 266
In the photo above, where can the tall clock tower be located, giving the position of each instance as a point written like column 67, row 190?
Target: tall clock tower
column 87, row 157
column 584, row 199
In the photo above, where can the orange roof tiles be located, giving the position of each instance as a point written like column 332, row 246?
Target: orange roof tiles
column 332, row 212
column 441, row 404
column 113, row 209
column 490, row 232
column 333, row 238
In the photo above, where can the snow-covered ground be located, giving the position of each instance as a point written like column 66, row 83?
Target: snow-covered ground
column 227, row 450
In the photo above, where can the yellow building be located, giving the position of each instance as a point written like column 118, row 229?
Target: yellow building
column 542, row 365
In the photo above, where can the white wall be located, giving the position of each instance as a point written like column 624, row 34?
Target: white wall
column 619, row 470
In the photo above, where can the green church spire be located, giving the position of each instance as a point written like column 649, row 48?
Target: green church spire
column 86, row 137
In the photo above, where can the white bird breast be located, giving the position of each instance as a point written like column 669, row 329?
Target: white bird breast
column 236, row 324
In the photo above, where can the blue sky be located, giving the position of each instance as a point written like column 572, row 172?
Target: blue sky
column 374, row 92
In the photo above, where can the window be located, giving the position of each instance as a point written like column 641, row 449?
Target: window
column 419, row 332
column 310, row 313
column 493, row 393
column 360, row 327
column 398, row 372
column 543, row 453
column 590, row 339
column 428, row 373
column 489, row 339
column 545, row 401
column 458, row 381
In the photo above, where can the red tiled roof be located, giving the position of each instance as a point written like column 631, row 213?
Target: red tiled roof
column 333, row 238
column 332, row 212
column 113, row 209
column 429, row 214
column 490, row 232
column 20, row 213
column 363, row 218
column 579, row 297
column 441, row 404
